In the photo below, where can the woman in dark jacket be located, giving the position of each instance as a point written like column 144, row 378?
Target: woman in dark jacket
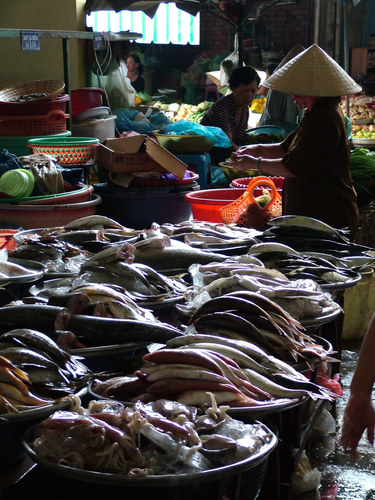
column 315, row 158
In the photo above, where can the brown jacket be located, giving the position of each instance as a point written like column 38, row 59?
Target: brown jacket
column 318, row 154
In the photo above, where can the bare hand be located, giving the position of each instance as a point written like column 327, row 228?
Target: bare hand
column 251, row 150
column 359, row 415
column 242, row 162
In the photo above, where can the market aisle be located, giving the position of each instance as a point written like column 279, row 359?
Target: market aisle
column 342, row 477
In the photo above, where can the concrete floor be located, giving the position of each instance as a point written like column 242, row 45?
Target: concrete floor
column 342, row 477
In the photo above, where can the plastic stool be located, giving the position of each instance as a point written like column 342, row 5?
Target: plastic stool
column 199, row 163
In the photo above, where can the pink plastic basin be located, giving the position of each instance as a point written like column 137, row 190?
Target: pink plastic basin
column 41, row 216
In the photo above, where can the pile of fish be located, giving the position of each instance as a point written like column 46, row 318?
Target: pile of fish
column 158, row 439
column 301, row 298
column 9, row 269
column 71, row 330
column 294, row 265
column 57, row 256
column 34, row 371
column 205, row 234
column 247, row 315
column 305, row 234
column 142, row 283
column 191, row 367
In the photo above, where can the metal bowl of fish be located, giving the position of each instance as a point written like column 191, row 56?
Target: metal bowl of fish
column 112, row 357
column 15, row 271
column 13, row 425
column 225, row 451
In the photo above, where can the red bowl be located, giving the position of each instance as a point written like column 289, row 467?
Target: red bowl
column 86, row 98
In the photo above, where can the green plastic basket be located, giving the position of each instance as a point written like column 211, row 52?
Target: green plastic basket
column 68, row 150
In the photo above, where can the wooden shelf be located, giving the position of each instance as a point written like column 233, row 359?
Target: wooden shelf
column 363, row 59
column 65, row 36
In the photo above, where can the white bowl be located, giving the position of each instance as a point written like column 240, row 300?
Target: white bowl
column 92, row 113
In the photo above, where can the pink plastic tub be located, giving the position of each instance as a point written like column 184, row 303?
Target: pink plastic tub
column 41, row 216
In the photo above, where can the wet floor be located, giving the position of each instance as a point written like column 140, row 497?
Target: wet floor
column 343, row 478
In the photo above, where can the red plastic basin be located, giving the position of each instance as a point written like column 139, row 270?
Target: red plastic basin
column 6, row 239
column 86, row 98
column 243, row 182
column 206, row 204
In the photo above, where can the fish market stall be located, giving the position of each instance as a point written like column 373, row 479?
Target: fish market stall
column 220, row 319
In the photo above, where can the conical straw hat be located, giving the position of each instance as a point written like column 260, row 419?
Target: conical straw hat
column 294, row 51
column 312, row 73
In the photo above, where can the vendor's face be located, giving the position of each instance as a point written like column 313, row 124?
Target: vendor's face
column 245, row 93
column 300, row 100
column 131, row 65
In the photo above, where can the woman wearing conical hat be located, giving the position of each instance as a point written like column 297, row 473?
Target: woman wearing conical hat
column 315, row 158
column 280, row 108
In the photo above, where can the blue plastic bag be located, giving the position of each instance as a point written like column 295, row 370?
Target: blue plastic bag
column 127, row 120
column 184, row 127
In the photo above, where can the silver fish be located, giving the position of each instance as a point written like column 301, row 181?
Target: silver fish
column 119, row 251
column 94, row 221
column 303, row 221
column 176, row 256
column 260, row 248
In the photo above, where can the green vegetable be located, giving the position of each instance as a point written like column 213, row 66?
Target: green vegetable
column 362, row 163
column 144, row 96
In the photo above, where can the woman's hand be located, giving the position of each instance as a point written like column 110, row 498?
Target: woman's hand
column 359, row 415
column 242, row 162
column 249, row 150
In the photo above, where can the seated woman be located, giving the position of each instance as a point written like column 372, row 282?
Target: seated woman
column 231, row 112
column 135, row 70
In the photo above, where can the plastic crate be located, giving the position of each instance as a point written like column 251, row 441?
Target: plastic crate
column 53, row 122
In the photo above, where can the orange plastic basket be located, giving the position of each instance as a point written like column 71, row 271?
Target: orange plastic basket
column 246, row 211
column 53, row 122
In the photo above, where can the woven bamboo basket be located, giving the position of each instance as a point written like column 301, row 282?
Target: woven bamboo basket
column 42, row 89
column 185, row 144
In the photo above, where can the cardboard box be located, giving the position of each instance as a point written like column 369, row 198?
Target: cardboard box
column 138, row 154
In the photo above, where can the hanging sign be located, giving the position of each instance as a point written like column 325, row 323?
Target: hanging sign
column 99, row 41
column 30, row 40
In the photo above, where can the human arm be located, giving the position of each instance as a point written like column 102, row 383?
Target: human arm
column 271, row 166
column 267, row 151
column 234, row 146
column 359, row 413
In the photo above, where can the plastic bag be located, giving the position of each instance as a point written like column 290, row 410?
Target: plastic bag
column 119, row 90
column 229, row 64
column 131, row 119
column 246, row 210
column 184, row 127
